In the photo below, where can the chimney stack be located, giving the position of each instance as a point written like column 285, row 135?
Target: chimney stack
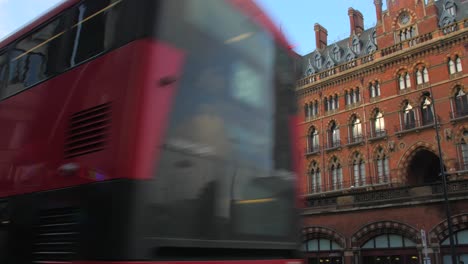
column 378, row 10
column 356, row 20
column 320, row 36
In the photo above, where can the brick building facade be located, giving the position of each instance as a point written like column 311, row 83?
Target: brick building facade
column 371, row 164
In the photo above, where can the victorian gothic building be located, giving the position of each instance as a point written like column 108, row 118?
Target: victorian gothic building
column 372, row 169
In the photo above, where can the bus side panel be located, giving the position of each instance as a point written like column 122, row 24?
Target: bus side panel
column 36, row 125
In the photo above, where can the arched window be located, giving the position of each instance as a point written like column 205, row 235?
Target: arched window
column 452, row 68
column 409, row 116
column 315, row 178
column 336, row 173
column 458, row 64
column 407, row 80
column 464, row 151
column 359, row 170
column 425, row 75
column 313, row 141
column 378, row 124
column 355, row 129
column 404, row 81
column 382, row 165
column 347, row 98
column 374, row 89
column 461, row 102
column 325, row 104
column 336, row 102
column 388, row 241
column 321, row 250
column 315, row 109
column 332, row 103
column 307, row 112
column 334, row 135
column 461, row 241
column 427, row 111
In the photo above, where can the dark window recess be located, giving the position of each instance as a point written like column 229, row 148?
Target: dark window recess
column 95, row 29
column 31, row 58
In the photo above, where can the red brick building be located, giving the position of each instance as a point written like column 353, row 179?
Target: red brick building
column 371, row 163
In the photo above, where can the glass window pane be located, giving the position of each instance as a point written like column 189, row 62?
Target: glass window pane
column 369, row 244
column 396, row 241
column 325, row 245
column 335, row 246
column 447, row 259
column 96, row 28
column 409, row 243
column 462, row 237
column 312, row 245
column 381, row 241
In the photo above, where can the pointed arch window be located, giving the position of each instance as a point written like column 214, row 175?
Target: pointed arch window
column 315, row 178
column 455, row 65
column 461, row 102
column 325, row 104
column 355, row 129
column 404, row 81
column 422, row 76
column 313, row 144
column 334, row 135
column 378, row 124
column 359, row 170
column 427, row 111
column 464, row 151
column 336, row 173
column 382, row 166
column 458, row 64
column 374, row 89
column 409, row 116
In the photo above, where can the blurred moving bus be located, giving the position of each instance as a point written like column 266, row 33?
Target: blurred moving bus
column 143, row 130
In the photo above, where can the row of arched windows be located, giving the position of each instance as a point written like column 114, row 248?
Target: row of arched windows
column 333, row 180
column 355, row 132
column 353, row 96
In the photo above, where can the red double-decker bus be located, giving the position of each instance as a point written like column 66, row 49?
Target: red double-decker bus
column 141, row 131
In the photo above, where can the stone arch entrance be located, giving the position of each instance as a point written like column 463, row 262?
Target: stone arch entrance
column 423, row 168
column 323, row 245
column 386, row 242
column 419, row 164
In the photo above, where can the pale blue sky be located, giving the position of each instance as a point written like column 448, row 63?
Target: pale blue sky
column 296, row 17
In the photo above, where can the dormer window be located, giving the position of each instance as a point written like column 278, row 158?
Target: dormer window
column 336, row 53
column 356, row 45
column 318, row 61
column 450, row 7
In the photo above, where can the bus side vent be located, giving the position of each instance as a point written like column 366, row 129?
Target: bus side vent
column 88, row 131
column 57, row 234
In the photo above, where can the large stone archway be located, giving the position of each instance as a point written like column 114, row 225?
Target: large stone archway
column 419, row 164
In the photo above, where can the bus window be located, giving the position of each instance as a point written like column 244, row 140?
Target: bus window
column 95, row 29
column 3, row 72
column 29, row 59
